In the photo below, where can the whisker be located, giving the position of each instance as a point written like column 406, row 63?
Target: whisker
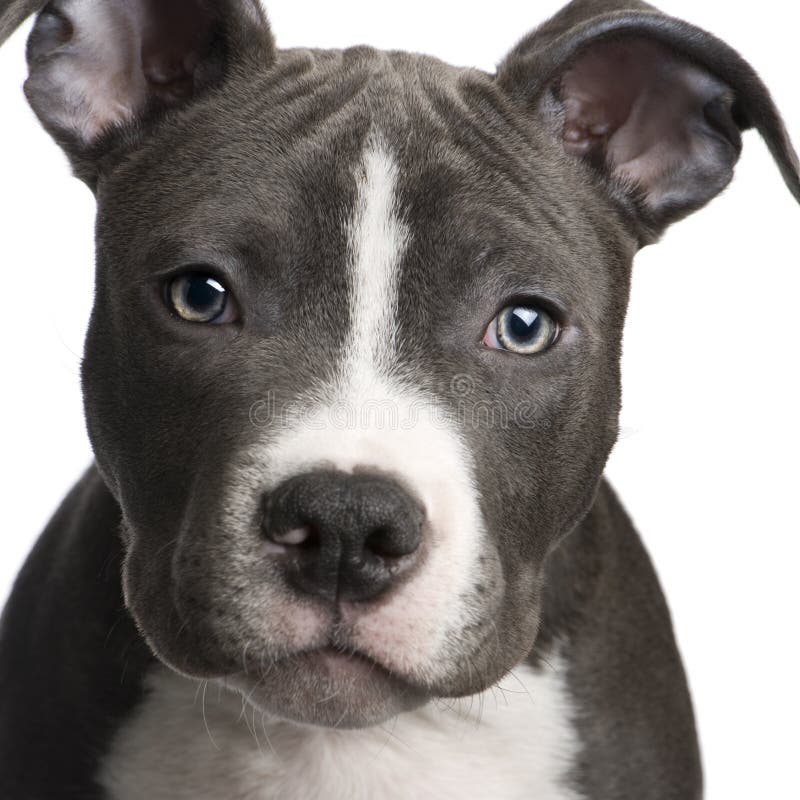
column 390, row 734
column 525, row 689
column 205, row 719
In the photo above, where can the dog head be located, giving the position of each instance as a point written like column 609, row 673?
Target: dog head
column 353, row 366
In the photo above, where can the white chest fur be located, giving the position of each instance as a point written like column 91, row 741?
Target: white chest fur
column 512, row 742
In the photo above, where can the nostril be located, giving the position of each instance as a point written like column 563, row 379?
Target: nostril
column 379, row 543
column 386, row 542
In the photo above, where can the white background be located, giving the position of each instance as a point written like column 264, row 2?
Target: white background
column 708, row 459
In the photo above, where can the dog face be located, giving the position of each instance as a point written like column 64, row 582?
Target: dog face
column 365, row 262
column 352, row 370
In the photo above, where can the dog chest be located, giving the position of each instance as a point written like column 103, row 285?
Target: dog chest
column 190, row 740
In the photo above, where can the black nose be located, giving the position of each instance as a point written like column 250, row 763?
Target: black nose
column 341, row 536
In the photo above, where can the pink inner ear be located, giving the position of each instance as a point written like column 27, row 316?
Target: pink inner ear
column 98, row 63
column 636, row 109
column 176, row 36
column 598, row 99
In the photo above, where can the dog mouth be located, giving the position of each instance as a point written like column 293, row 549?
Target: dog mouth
column 337, row 664
column 328, row 686
column 341, row 663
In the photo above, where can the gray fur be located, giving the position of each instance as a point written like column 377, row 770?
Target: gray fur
column 250, row 167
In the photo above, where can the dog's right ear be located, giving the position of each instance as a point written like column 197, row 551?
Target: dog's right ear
column 103, row 71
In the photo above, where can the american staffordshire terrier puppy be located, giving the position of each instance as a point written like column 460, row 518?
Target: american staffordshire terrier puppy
column 351, row 379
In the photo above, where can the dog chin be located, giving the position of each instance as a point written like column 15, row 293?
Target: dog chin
column 328, row 688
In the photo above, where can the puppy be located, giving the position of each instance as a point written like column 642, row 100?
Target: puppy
column 351, row 380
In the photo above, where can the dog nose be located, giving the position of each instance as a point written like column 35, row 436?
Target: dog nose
column 342, row 536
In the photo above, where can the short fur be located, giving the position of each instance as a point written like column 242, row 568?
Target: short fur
column 292, row 175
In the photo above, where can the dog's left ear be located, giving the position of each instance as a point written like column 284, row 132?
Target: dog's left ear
column 652, row 105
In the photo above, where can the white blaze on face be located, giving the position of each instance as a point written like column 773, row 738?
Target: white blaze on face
column 378, row 239
column 373, row 420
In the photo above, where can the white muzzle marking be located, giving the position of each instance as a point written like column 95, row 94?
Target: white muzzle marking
column 369, row 418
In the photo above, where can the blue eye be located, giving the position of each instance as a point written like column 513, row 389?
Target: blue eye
column 525, row 330
column 199, row 297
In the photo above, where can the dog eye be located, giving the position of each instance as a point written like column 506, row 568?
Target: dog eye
column 200, row 297
column 525, row 330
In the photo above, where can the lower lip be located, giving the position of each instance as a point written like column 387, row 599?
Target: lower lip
column 330, row 688
column 340, row 664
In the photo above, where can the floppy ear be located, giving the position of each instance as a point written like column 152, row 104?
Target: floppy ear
column 102, row 70
column 652, row 104
column 13, row 13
